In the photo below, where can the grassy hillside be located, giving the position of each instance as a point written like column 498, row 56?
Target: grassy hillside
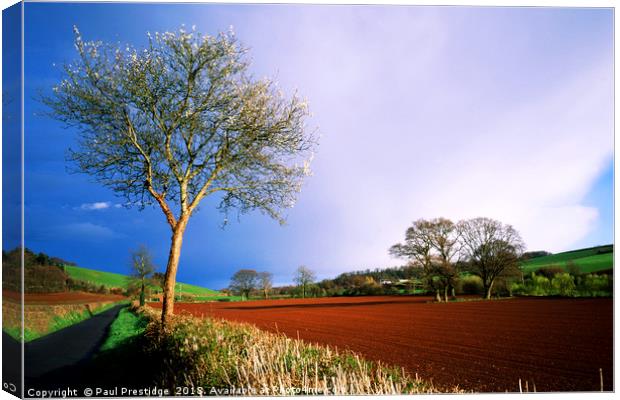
column 195, row 290
column 107, row 279
column 592, row 259
column 113, row 280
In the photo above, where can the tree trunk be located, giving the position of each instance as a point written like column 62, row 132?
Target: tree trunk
column 142, row 295
column 437, row 295
column 488, row 290
column 445, row 293
column 453, row 292
column 171, row 270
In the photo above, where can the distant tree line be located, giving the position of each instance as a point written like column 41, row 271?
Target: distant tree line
column 528, row 255
column 476, row 256
column 369, row 282
column 46, row 274
column 31, row 258
column 42, row 273
column 250, row 283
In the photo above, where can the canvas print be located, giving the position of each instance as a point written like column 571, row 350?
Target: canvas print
column 306, row 199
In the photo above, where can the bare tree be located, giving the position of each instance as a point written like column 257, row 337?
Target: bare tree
column 303, row 277
column 180, row 120
column 491, row 249
column 142, row 268
column 244, row 281
column 265, row 282
column 445, row 240
column 432, row 246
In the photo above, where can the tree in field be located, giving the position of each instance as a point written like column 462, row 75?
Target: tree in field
column 265, row 282
column 142, row 268
column 244, row 281
column 491, row 249
column 432, row 245
column 303, row 277
column 181, row 120
column 445, row 240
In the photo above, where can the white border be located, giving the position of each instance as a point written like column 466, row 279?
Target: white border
column 484, row 3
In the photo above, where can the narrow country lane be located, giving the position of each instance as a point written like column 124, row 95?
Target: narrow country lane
column 68, row 346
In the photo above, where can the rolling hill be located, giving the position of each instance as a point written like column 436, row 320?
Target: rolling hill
column 592, row 259
column 114, row 280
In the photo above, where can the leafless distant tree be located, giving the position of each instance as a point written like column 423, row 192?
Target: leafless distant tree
column 491, row 249
column 265, row 282
column 303, row 277
column 142, row 268
column 178, row 121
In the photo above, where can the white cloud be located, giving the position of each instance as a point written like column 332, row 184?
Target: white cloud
column 445, row 121
column 528, row 166
column 98, row 206
column 435, row 112
column 101, row 205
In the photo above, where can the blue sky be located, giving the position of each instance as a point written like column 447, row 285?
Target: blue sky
column 11, row 128
column 423, row 112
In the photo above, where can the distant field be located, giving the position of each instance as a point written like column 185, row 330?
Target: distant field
column 587, row 260
column 60, row 298
column 195, row 290
column 114, row 280
column 108, row 279
column 217, row 297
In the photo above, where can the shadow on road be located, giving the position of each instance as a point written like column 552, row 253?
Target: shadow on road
column 74, row 362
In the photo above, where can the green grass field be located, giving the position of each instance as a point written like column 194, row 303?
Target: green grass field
column 219, row 298
column 114, row 280
column 588, row 260
column 185, row 288
column 107, row 279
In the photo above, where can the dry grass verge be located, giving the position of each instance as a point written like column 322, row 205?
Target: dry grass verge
column 221, row 357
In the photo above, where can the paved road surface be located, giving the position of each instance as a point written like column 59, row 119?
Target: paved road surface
column 68, row 346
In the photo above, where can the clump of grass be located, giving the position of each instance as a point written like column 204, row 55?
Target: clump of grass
column 16, row 333
column 125, row 328
column 209, row 353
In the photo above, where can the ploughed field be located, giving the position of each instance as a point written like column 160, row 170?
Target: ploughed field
column 484, row 346
column 62, row 298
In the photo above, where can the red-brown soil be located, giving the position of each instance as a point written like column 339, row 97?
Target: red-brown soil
column 485, row 346
column 61, row 298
